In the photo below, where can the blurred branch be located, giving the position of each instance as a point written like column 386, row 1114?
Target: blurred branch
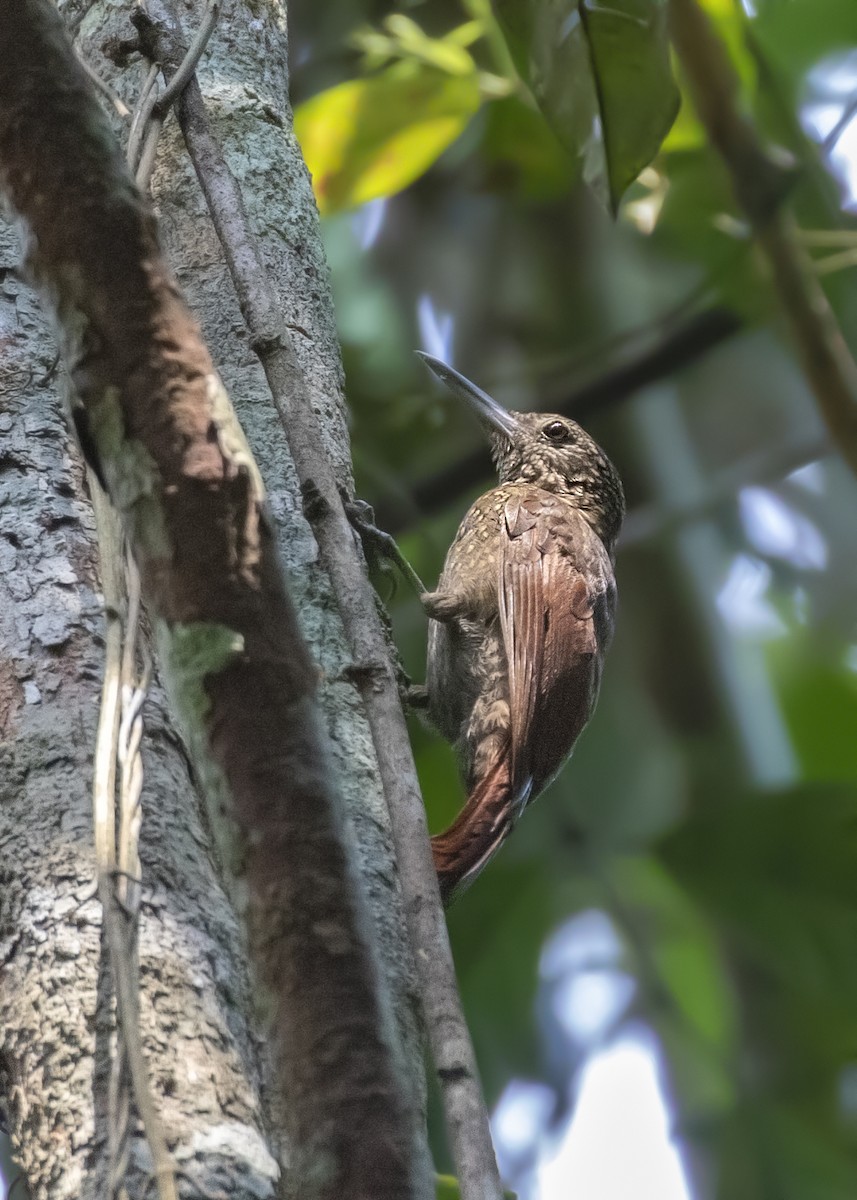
column 765, row 466
column 760, row 181
column 672, row 351
column 848, row 115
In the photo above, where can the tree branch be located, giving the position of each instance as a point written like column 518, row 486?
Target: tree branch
column 448, row 1035
column 760, row 181
column 672, row 350
column 192, row 506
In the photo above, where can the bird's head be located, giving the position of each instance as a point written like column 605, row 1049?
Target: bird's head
column 548, row 450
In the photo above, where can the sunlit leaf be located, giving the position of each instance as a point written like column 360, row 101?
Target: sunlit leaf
column 686, row 133
column 448, row 54
column 602, row 75
column 372, row 137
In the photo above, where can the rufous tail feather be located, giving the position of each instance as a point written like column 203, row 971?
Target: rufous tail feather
column 477, row 833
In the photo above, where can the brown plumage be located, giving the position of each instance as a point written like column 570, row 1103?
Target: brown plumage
column 521, row 621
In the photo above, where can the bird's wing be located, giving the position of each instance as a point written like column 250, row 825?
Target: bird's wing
column 555, row 601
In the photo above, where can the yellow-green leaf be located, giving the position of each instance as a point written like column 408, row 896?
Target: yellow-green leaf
column 372, row 137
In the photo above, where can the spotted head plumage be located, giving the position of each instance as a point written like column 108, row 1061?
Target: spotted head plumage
column 548, row 450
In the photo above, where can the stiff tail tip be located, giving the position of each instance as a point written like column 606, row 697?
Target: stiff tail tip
column 476, row 834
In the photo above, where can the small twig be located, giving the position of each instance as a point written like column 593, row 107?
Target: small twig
column 104, row 87
column 760, row 182
column 104, row 804
column 134, row 690
column 186, row 69
column 146, row 163
column 151, row 109
column 104, row 770
column 448, row 1035
column 120, row 735
column 143, row 109
column 129, row 1065
column 848, row 115
column 771, row 464
column 828, row 238
column 836, row 262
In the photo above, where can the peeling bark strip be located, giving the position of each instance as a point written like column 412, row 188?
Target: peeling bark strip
column 191, row 502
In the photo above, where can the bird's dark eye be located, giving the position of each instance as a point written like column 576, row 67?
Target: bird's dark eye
column 556, row 431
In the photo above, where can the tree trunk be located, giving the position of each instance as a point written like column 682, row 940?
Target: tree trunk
column 196, row 1010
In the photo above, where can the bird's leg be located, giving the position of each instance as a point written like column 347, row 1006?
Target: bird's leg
column 446, row 607
column 378, row 546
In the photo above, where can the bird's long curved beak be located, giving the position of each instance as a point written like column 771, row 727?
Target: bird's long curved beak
column 487, row 410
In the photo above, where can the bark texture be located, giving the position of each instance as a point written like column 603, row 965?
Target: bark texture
column 48, row 678
column 447, row 1034
column 244, row 78
column 55, row 1027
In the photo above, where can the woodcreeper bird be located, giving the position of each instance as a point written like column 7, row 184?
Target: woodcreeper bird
column 520, row 622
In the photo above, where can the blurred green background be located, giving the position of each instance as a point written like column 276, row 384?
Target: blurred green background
column 687, row 889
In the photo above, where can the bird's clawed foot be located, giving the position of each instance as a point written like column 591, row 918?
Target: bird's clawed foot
column 379, row 547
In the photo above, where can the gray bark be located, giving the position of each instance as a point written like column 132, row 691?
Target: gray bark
column 55, row 1027
column 198, row 1035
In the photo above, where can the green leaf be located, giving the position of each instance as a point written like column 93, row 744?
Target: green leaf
column 602, row 75
column 819, row 702
column 773, row 1150
column 522, row 154
column 699, row 219
column 779, row 874
column 372, row 137
column 681, row 955
column 515, row 904
column 446, row 1188
column 684, row 988
column 445, row 53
